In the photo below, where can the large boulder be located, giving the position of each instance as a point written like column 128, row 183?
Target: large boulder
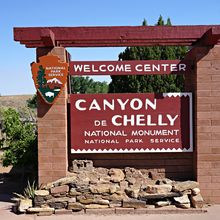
column 164, row 181
column 117, row 175
column 148, row 196
column 133, row 175
column 82, row 165
column 133, row 203
column 96, row 206
column 186, row 185
column 87, row 177
column 59, row 189
column 41, row 193
column 116, row 197
column 182, row 199
column 76, row 206
column 91, row 199
column 195, row 191
column 74, row 192
column 104, row 188
column 58, row 205
column 132, row 192
column 86, row 198
column 102, row 171
column 197, row 201
column 163, row 203
column 24, row 204
column 157, row 189
column 47, row 210
column 123, row 185
column 62, row 181
column 182, row 202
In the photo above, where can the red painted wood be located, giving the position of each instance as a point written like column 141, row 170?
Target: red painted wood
column 134, row 67
column 120, row 124
column 114, row 36
column 211, row 37
column 48, row 37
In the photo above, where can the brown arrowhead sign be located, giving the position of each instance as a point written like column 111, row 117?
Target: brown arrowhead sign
column 50, row 76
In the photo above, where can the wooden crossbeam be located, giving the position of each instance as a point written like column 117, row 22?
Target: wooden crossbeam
column 116, row 36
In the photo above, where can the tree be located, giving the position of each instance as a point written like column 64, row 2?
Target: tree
column 150, row 83
column 32, row 102
column 41, row 80
column 87, row 85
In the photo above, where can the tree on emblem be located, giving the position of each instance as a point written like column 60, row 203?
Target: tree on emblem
column 41, row 80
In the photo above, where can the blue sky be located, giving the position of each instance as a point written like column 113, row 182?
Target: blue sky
column 15, row 75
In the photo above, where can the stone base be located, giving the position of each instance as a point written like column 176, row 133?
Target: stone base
column 119, row 191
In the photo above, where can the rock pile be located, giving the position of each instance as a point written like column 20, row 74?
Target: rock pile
column 112, row 189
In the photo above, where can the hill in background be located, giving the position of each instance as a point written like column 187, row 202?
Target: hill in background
column 19, row 102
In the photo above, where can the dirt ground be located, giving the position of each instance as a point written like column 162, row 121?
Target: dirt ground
column 212, row 214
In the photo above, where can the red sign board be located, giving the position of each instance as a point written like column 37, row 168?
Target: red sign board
column 132, row 67
column 106, row 123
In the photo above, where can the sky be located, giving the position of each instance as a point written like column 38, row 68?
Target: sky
column 15, row 59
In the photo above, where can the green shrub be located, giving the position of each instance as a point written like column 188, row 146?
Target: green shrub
column 20, row 140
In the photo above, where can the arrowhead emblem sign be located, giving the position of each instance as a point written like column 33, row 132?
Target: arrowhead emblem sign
column 50, row 76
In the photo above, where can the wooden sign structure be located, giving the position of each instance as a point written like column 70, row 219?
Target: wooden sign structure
column 204, row 42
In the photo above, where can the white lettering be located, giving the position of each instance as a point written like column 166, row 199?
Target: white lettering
column 86, row 68
column 94, row 105
column 138, row 68
column 173, row 67
column 110, row 68
column 160, row 120
column 139, row 120
column 108, row 104
column 139, row 104
column 182, row 66
column 147, row 68
column 77, row 104
column 102, row 68
column 164, row 66
column 127, row 68
column 78, row 68
column 151, row 104
column 114, row 118
column 154, row 67
column 172, row 120
column 122, row 104
column 130, row 120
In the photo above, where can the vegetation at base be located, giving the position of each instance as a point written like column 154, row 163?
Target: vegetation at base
column 84, row 85
column 19, row 141
column 28, row 192
column 150, row 83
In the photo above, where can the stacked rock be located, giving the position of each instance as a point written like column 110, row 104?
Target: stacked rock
column 112, row 189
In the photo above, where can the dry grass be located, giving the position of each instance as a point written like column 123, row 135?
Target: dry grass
column 19, row 102
column 15, row 101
